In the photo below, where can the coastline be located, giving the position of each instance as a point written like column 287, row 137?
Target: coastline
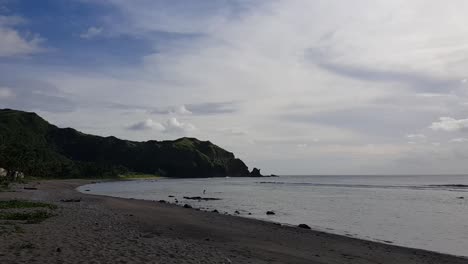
column 108, row 229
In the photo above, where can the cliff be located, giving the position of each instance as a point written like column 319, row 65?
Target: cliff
column 30, row 144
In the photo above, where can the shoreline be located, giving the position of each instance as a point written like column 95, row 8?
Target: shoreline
column 105, row 228
column 312, row 228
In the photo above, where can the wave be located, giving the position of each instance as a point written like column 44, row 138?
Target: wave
column 447, row 187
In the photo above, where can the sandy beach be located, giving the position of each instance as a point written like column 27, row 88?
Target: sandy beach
column 99, row 229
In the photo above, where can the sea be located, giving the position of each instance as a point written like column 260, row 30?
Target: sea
column 419, row 211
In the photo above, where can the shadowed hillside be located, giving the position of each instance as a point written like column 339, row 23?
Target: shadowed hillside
column 31, row 145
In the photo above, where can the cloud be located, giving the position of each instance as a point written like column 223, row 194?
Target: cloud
column 148, row 124
column 18, row 91
column 177, row 110
column 208, row 108
column 12, row 43
column 5, row 93
column 417, row 81
column 449, row 124
column 233, row 132
column 286, row 71
column 212, row 108
column 170, row 126
column 458, row 140
column 416, row 136
column 91, row 32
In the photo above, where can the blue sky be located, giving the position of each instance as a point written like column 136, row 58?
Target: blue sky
column 291, row 86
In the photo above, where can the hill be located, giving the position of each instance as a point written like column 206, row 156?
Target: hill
column 29, row 144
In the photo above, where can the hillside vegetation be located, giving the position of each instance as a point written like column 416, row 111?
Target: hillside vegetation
column 31, row 145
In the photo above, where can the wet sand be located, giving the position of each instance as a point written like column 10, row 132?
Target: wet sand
column 100, row 229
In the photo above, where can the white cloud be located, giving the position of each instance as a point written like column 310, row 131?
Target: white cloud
column 449, row 124
column 91, row 32
column 12, row 43
column 458, row 140
column 148, row 124
column 171, row 126
column 181, row 110
column 6, row 93
column 416, row 136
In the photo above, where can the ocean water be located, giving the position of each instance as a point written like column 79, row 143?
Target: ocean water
column 426, row 212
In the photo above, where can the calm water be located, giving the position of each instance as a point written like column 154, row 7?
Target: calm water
column 416, row 211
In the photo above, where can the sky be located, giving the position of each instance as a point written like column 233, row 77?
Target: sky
column 289, row 86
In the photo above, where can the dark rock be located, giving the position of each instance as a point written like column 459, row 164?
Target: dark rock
column 215, row 211
column 255, row 173
column 30, row 188
column 87, row 190
column 461, row 197
column 270, row 213
column 237, row 168
column 71, row 200
column 304, row 226
column 171, row 196
column 199, row 198
column 250, row 213
column 237, row 212
column 187, row 206
column 58, row 250
column 162, row 201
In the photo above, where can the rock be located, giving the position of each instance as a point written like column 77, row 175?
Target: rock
column 71, row 200
column 304, row 226
column 215, row 211
column 187, row 206
column 30, row 188
column 162, row 201
column 58, row 250
column 237, row 168
column 199, row 198
column 250, row 213
column 270, row 213
column 237, row 212
column 461, row 197
column 255, row 173
column 171, row 196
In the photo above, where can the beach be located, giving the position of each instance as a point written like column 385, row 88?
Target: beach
column 101, row 229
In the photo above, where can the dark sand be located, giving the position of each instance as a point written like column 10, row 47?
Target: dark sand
column 102, row 229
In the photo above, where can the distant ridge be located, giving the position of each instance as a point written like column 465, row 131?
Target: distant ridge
column 29, row 144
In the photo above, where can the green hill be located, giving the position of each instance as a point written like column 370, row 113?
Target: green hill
column 31, row 145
